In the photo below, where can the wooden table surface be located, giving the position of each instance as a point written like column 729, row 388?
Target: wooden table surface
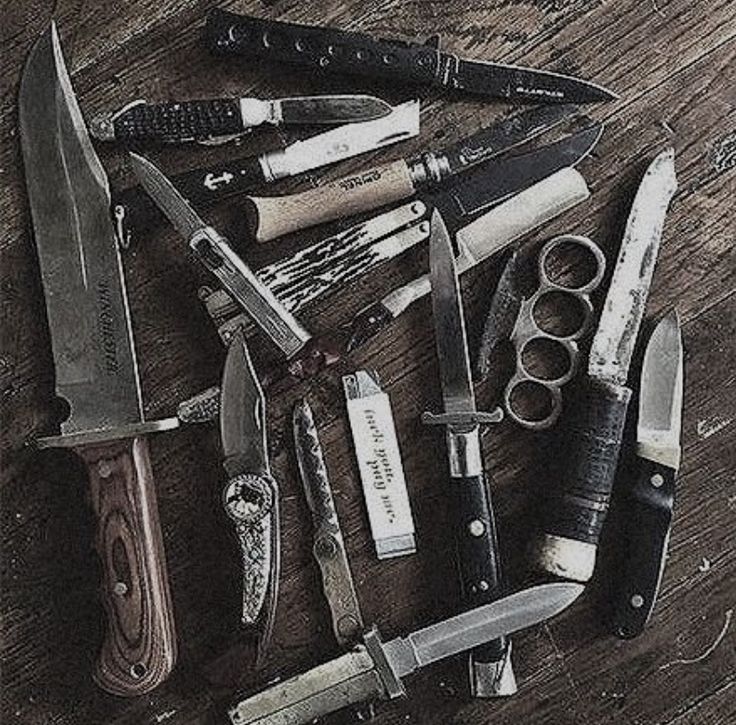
column 673, row 62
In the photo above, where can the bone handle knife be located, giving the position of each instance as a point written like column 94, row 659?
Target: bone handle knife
column 139, row 650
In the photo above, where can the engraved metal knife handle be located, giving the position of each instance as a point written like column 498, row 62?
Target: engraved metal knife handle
column 348, row 680
column 251, row 502
column 324, row 49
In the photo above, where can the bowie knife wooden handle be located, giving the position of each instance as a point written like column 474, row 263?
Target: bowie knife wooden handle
column 576, row 513
column 272, row 217
column 646, row 531
column 139, row 650
column 477, row 553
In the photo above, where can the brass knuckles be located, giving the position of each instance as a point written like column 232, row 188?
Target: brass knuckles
column 526, row 330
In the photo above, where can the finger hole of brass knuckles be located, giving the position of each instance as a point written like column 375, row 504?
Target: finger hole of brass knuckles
column 572, row 263
column 560, row 314
column 547, row 360
column 531, row 404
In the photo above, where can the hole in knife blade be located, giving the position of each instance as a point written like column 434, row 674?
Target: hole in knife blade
column 531, row 401
column 570, row 265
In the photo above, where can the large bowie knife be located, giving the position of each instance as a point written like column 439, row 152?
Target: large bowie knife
column 96, row 371
column 222, row 119
column 337, row 51
column 575, row 515
column 648, row 499
column 476, row 540
column 375, row 670
column 274, row 216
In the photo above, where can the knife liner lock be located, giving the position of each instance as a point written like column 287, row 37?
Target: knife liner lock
column 379, row 461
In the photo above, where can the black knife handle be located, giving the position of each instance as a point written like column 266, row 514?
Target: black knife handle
column 476, row 542
column 646, row 531
column 177, row 122
column 202, row 187
column 325, row 49
column 577, row 510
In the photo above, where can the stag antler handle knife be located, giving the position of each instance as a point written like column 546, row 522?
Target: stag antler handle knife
column 271, row 217
column 330, row 50
column 220, row 119
column 578, row 509
column 96, row 371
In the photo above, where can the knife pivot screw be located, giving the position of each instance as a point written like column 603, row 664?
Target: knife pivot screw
column 657, row 480
column 476, row 528
column 120, row 589
column 483, row 585
column 104, row 468
column 637, row 601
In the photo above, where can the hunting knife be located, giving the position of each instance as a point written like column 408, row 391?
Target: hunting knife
column 648, row 499
column 577, row 510
column 96, row 372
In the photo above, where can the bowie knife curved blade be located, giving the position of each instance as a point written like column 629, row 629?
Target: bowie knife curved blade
column 374, row 670
column 222, row 119
column 575, row 515
column 337, row 51
column 648, row 499
column 96, row 371
column 250, row 496
column 476, row 540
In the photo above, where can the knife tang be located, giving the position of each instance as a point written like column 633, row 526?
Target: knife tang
column 272, row 217
column 648, row 517
column 172, row 122
column 139, row 649
column 575, row 516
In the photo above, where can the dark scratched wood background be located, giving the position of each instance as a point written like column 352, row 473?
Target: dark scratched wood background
column 674, row 64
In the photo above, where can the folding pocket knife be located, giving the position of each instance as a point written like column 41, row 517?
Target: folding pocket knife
column 250, row 496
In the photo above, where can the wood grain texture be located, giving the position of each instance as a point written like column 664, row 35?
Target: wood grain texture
column 139, row 649
column 674, row 64
column 274, row 216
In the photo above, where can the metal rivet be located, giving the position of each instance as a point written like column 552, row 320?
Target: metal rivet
column 324, row 61
column 637, row 601
column 104, row 469
column 657, row 480
column 388, row 59
column 120, row 588
column 483, row 585
column 476, row 528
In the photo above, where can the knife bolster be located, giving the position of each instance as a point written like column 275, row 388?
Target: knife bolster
column 139, row 650
column 577, row 510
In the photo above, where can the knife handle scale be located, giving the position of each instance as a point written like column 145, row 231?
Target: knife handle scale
column 176, row 122
column 577, row 510
column 476, row 542
column 272, row 217
column 646, row 530
column 139, row 650
column 320, row 48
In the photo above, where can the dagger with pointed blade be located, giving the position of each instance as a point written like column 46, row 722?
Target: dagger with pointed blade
column 476, row 540
column 374, row 670
column 577, row 511
column 135, row 211
column 271, row 217
column 337, row 51
column 96, row 371
column 250, row 496
column 222, row 119
column 648, row 499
